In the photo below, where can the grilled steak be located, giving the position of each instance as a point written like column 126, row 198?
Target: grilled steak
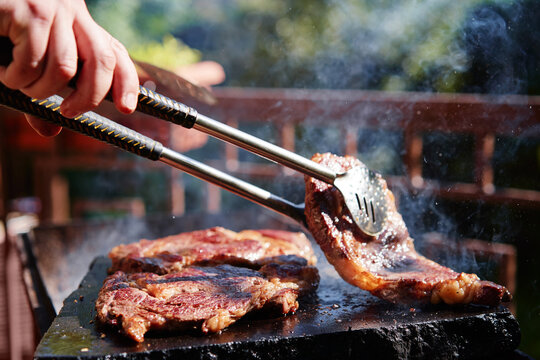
column 209, row 298
column 208, row 247
column 387, row 265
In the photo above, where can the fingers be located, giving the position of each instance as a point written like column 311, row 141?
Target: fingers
column 106, row 66
column 125, row 81
column 51, row 39
column 42, row 127
column 61, row 61
column 29, row 33
column 95, row 75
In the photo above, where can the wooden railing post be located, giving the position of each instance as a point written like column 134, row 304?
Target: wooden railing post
column 413, row 156
column 287, row 134
column 178, row 193
column 350, row 134
column 213, row 199
column 484, row 147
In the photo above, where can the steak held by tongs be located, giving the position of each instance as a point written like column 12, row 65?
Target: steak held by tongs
column 385, row 264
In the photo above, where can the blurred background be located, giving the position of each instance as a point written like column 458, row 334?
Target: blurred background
column 439, row 96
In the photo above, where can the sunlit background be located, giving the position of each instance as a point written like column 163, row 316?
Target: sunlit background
column 446, row 46
column 396, row 47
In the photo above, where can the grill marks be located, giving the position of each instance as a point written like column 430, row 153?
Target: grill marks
column 178, row 293
column 387, row 265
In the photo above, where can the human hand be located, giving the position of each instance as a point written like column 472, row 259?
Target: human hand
column 51, row 39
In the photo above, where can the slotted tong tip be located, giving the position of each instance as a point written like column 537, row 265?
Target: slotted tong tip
column 365, row 198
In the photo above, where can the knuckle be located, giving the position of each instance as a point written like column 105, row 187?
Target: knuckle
column 29, row 13
column 41, row 11
column 28, row 70
column 31, row 66
column 118, row 46
column 106, row 60
column 66, row 68
column 93, row 102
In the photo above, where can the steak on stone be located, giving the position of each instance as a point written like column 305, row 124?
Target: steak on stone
column 178, row 295
column 209, row 247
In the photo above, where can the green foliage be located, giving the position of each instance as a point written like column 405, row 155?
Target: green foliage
column 387, row 45
column 169, row 54
column 144, row 27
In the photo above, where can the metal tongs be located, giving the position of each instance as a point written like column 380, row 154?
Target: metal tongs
column 361, row 190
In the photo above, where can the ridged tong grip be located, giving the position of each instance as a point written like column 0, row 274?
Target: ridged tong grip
column 162, row 107
column 89, row 123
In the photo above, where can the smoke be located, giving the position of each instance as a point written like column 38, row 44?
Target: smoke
column 396, row 45
column 65, row 254
column 498, row 60
column 431, row 45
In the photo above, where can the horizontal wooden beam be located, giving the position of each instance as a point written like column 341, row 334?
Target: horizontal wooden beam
column 465, row 113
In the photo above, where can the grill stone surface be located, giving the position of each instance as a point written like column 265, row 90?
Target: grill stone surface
column 338, row 322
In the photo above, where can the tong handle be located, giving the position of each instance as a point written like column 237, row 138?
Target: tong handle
column 89, row 123
column 101, row 128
